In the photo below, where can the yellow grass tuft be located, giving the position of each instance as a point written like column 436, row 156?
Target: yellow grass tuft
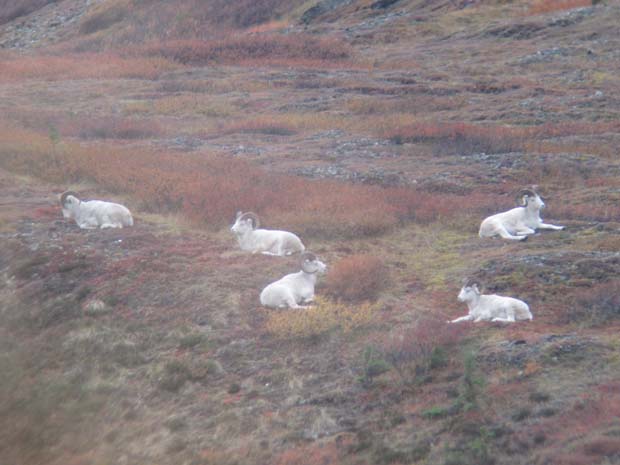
column 326, row 315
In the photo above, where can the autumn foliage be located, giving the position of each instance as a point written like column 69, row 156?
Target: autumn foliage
column 548, row 6
column 357, row 278
column 209, row 189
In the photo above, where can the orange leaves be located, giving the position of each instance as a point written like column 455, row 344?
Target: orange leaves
column 357, row 278
column 548, row 6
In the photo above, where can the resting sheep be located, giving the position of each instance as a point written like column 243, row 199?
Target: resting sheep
column 266, row 241
column 518, row 223
column 94, row 214
column 295, row 288
column 491, row 307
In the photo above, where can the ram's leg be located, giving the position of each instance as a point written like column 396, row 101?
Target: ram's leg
column 462, row 318
column 290, row 301
column 506, row 235
column 296, row 306
column 550, row 226
column 509, row 318
column 525, row 232
column 87, row 225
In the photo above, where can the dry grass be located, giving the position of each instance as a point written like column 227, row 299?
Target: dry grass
column 182, row 105
column 321, row 318
column 239, row 48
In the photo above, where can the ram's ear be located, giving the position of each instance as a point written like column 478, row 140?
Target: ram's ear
column 239, row 213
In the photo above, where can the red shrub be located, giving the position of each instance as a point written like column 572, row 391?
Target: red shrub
column 415, row 350
column 357, row 278
column 547, row 6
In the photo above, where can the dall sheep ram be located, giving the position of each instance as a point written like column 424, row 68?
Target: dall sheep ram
column 518, row 223
column 295, row 288
column 266, row 241
column 94, row 214
column 491, row 307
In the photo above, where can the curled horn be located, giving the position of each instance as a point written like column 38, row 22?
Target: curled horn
column 251, row 216
column 64, row 195
column 473, row 282
column 307, row 256
column 526, row 191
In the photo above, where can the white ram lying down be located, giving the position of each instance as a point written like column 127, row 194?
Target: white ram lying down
column 518, row 223
column 295, row 288
column 266, row 241
column 491, row 307
column 94, row 214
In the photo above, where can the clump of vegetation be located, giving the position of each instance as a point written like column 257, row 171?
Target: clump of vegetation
column 415, row 351
column 386, row 454
column 173, row 375
column 471, row 385
column 436, row 412
column 373, row 365
column 474, row 449
column 191, row 340
column 326, row 315
column 357, row 278
column 548, row 6
column 597, row 305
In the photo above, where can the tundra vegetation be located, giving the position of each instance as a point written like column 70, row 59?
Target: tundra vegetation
column 381, row 133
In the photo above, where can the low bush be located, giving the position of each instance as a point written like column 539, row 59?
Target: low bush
column 373, row 365
column 172, row 376
column 416, row 350
column 597, row 305
column 357, row 278
column 549, row 6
